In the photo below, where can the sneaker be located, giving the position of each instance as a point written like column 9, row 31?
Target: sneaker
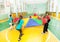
column 22, row 34
column 19, row 39
column 42, row 33
column 46, row 31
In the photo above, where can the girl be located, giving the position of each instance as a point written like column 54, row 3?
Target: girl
column 48, row 17
column 44, row 20
column 48, row 20
column 19, row 26
column 11, row 22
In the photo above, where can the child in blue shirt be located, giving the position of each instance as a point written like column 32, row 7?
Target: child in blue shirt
column 19, row 26
column 11, row 22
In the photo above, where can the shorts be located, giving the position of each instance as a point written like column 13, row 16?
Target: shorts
column 11, row 24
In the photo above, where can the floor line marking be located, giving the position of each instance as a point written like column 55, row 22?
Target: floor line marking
column 7, row 37
column 53, row 35
column 48, row 37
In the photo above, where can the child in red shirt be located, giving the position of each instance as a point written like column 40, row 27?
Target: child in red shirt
column 48, row 20
column 48, row 17
column 15, row 20
column 44, row 20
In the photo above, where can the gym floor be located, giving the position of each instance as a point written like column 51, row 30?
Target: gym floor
column 31, row 34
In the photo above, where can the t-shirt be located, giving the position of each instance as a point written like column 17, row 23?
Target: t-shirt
column 44, row 20
column 48, row 17
column 19, row 25
column 15, row 20
column 10, row 19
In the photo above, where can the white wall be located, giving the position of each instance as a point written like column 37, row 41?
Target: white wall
column 56, row 6
column 21, row 4
column 18, row 6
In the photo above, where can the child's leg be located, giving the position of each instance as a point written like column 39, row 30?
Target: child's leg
column 44, row 30
column 13, row 25
column 10, row 25
column 46, row 27
column 48, row 20
column 20, row 34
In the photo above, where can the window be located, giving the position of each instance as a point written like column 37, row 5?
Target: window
column 1, row 6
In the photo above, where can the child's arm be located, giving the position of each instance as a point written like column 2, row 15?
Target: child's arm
column 22, row 27
column 17, row 21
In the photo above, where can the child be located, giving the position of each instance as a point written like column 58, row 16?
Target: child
column 19, row 26
column 48, row 20
column 48, row 17
column 39, row 17
column 44, row 20
column 11, row 22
